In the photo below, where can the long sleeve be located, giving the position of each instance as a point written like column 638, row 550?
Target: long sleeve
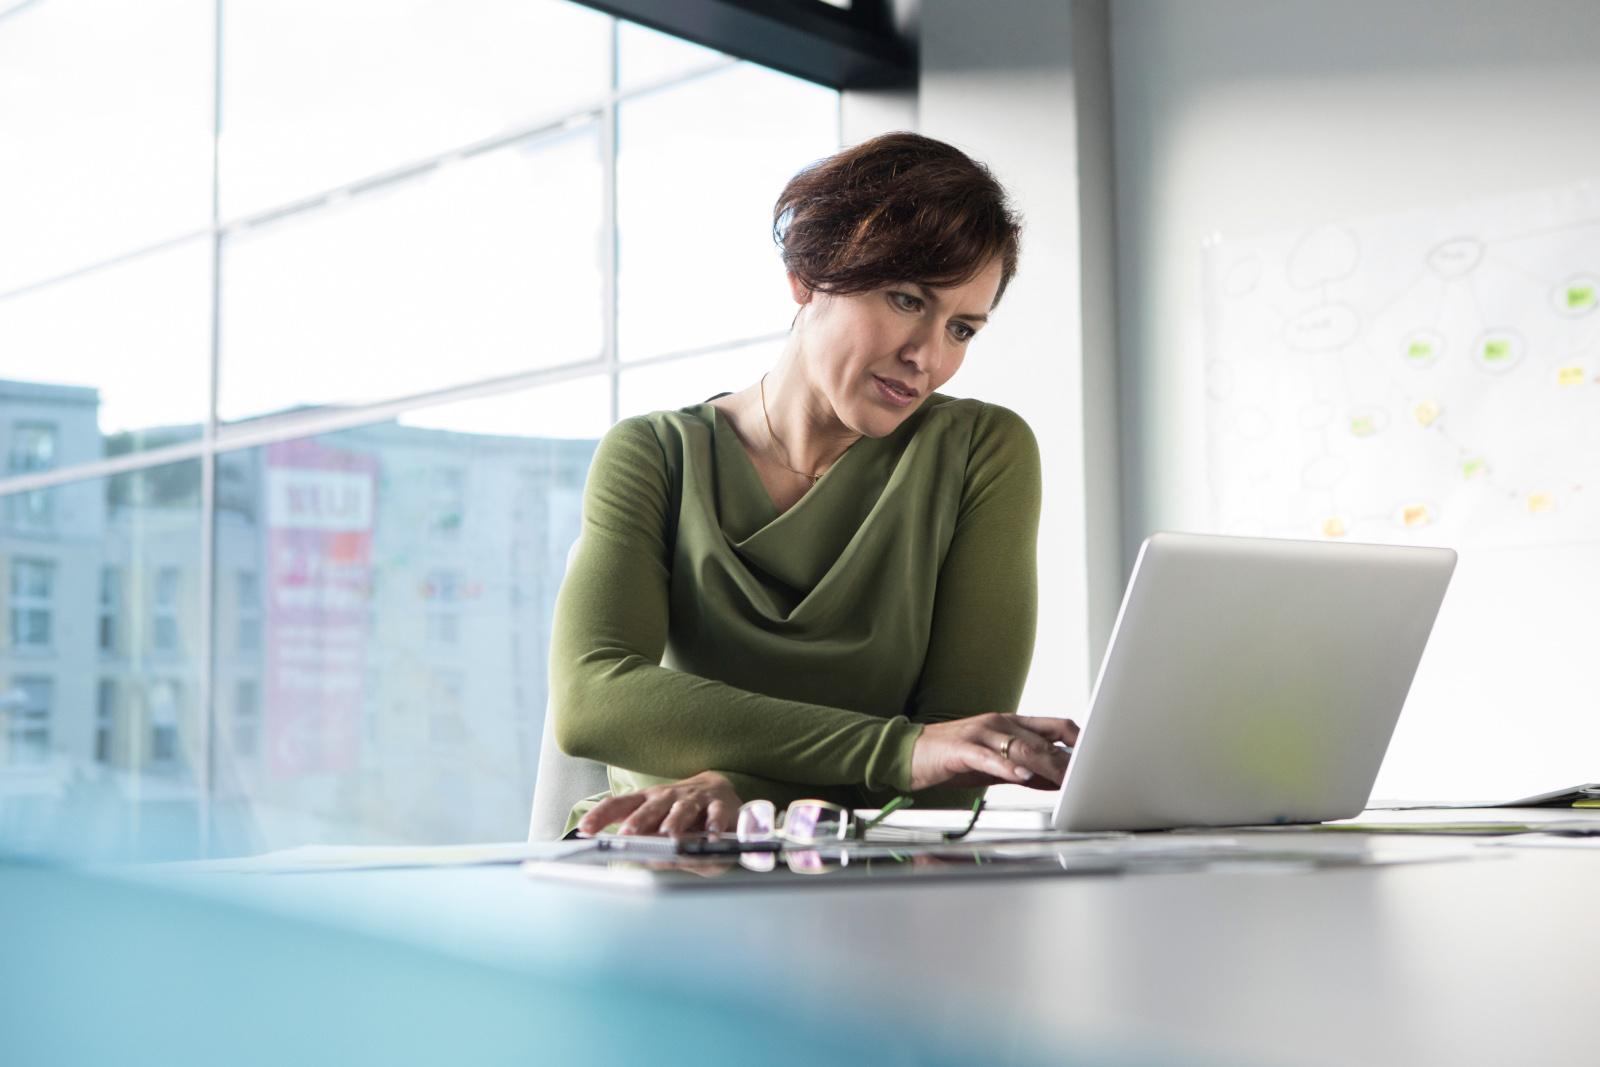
column 987, row 605
column 614, row 702
column 986, row 608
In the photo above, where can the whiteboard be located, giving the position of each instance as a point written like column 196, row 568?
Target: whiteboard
column 1422, row 378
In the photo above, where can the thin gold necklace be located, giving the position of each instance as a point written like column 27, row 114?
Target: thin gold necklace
column 781, row 450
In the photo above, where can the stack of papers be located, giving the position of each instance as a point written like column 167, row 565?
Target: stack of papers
column 1572, row 796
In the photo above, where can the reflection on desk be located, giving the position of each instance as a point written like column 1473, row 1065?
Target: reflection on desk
column 852, row 863
column 1469, row 963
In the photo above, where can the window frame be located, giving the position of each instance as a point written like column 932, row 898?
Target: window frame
column 181, row 614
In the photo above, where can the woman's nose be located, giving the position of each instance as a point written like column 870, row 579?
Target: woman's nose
column 921, row 350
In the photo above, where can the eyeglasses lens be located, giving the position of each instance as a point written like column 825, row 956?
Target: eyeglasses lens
column 757, row 821
column 805, row 822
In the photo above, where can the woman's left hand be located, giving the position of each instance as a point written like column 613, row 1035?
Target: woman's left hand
column 705, row 802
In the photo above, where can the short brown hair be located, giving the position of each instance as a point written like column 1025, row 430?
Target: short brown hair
column 898, row 207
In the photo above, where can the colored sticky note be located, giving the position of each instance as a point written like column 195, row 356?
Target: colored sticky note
column 1473, row 467
column 1425, row 413
column 1580, row 297
column 1362, row 426
column 1541, row 503
column 1333, row 527
column 1420, row 350
column 1415, row 515
column 1496, row 350
column 1569, row 376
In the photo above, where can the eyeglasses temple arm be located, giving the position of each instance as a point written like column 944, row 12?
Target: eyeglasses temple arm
column 901, row 801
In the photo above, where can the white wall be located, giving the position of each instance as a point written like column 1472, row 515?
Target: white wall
column 1246, row 116
column 997, row 80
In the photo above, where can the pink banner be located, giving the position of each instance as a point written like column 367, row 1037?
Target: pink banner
column 321, row 503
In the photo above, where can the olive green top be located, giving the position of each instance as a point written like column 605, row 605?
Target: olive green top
column 798, row 653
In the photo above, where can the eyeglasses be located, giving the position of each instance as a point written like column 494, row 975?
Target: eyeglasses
column 804, row 822
column 815, row 822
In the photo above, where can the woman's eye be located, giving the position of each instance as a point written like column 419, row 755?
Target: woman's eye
column 907, row 301
column 964, row 332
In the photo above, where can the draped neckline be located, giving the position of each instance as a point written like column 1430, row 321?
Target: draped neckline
column 741, row 468
column 798, row 546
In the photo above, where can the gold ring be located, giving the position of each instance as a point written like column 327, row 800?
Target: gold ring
column 1005, row 749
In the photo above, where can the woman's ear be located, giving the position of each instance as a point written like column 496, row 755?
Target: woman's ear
column 798, row 289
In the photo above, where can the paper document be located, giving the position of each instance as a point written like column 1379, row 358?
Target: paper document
column 310, row 858
column 1571, row 796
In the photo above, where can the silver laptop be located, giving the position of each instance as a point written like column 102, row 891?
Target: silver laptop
column 1250, row 680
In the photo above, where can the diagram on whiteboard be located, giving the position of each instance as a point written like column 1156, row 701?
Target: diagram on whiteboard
column 1429, row 378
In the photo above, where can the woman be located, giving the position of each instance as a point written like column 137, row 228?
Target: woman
column 838, row 562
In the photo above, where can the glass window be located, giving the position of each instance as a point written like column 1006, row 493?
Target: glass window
column 61, row 704
column 105, row 131
column 32, row 602
column 105, row 713
column 33, row 447
column 699, row 166
column 481, row 268
column 377, row 84
column 246, row 718
column 448, row 485
column 125, row 530
column 413, row 198
column 164, row 627
column 116, row 360
column 28, row 707
column 645, row 55
column 163, row 703
column 249, row 634
column 394, row 658
column 30, row 513
column 110, row 607
column 679, row 383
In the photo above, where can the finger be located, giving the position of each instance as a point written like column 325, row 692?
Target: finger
column 1050, row 732
column 1037, row 754
column 609, row 811
column 1053, row 729
column 719, row 816
column 987, row 759
column 683, row 816
column 1028, row 751
column 647, row 820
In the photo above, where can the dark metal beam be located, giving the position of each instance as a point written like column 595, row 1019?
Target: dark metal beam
column 853, row 48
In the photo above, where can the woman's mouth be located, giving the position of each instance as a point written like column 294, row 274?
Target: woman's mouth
column 897, row 393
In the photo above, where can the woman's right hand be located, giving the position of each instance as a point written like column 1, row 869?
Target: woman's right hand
column 968, row 752
column 706, row 801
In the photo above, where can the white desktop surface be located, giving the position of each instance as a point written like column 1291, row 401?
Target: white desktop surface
column 1490, row 961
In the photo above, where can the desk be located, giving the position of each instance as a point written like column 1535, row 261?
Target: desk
column 1493, row 961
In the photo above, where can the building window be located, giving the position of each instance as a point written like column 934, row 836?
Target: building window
column 443, row 595
column 447, row 499
column 164, row 619
column 246, row 718
column 32, row 596
column 28, row 703
column 105, row 717
column 110, row 607
column 164, row 722
column 33, row 447
column 248, row 609
column 34, row 510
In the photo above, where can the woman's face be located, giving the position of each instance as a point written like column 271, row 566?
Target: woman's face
column 876, row 356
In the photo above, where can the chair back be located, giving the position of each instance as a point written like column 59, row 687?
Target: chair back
column 563, row 781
